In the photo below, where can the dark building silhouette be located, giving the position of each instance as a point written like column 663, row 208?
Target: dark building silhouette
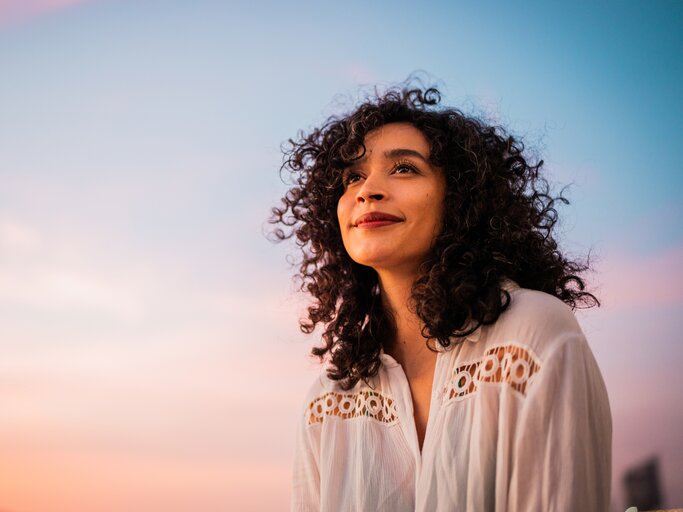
column 642, row 485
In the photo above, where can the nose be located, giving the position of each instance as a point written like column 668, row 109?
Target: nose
column 371, row 189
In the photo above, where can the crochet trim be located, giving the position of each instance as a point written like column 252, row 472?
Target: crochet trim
column 511, row 364
column 366, row 403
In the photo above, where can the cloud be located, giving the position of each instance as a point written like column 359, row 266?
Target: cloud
column 652, row 280
column 15, row 11
column 16, row 236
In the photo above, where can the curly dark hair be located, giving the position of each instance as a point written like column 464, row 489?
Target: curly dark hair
column 498, row 223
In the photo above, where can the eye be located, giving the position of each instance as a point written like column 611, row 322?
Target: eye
column 404, row 168
column 350, row 177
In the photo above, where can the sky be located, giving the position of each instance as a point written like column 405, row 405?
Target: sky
column 150, row 352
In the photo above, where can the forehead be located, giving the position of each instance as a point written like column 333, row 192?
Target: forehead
column 393, row 135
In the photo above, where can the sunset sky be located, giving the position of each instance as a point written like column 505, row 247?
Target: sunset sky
column 150, row 358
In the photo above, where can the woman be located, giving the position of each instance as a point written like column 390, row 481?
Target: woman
column 457, row 377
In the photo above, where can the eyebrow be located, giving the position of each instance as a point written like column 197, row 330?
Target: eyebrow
column 395, row 153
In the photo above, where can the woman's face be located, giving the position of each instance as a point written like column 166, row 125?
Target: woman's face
column 392, row 206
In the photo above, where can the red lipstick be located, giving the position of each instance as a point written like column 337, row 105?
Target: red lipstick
column 376, row 220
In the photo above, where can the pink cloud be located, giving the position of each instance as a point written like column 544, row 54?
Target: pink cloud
column 13, row 11
column 654, row 280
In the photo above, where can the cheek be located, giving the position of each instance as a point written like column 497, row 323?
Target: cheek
column 435, row 205
column 340, row 214
column 343, row 213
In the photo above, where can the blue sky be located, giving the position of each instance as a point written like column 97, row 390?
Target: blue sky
column 139, row 155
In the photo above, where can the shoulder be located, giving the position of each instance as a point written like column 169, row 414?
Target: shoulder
column 536, row 320
column 540, row 309
column 538, row 339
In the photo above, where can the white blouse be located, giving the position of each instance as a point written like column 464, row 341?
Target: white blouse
column 519, row 420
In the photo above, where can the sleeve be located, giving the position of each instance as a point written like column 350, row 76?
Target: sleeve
column 563, row 442
column 306, row 474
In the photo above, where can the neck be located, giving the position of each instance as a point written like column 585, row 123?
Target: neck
column 408, row 347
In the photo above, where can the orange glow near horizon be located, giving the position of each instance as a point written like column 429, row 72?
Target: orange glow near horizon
column 108, row 482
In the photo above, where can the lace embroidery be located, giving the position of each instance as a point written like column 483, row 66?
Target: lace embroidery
column 352, row 405
column 510, row 363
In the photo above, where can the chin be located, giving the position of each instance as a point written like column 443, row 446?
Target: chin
column 374, row 262
column 383, row 259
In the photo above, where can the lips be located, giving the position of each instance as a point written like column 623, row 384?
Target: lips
column 376, row 219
